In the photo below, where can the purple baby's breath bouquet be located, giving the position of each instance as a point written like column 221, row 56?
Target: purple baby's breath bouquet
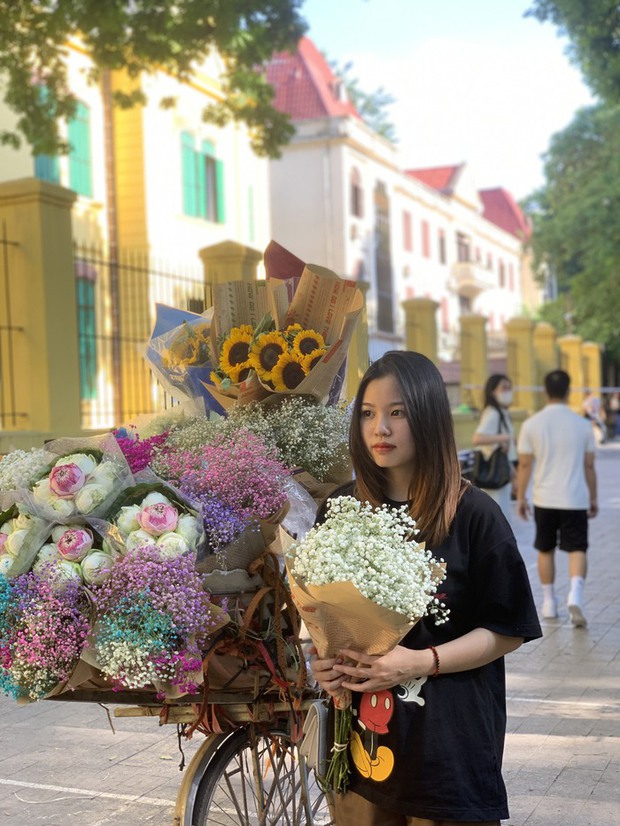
column 43, row 630
column 137, row 450
column 154, row 620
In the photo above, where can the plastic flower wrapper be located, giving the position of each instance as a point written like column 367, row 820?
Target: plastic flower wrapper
column 21, row 537
column 361, row 581
column 43, row 631
column 73, row 553
column 83, row 477
column 153, row 621
column 179, row 356
column 155, row 515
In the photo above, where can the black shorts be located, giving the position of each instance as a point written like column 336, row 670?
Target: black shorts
column 572, row 527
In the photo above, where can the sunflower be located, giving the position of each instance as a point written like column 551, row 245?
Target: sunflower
column 312, row 359
column 307, row 341
column 291, row 331
column 189, row 346
column 236, row 351
column 265, row 352
column 288, row 372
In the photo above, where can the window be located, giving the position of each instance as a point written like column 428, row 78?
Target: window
column 445, row 315
column 357, row 194
column 80, row 172
column 502, row 273
column 489, row 261
column 46, row 168
column 87, row 331
column 407, row 239
column 511, row 277
column 463, row 250
column 442, row 246
column 426, row 239
column 203, row 181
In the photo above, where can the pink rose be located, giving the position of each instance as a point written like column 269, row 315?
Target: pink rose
column 66, row 480
column 75, row 543
column 3, row 538
column 157, row 519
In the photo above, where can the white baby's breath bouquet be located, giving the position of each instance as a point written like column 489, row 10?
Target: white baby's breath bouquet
column 360, row 580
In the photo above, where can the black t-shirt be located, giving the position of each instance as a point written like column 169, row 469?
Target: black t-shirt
column 433, row 748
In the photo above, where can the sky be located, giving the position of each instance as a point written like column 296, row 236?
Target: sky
column 474, row 80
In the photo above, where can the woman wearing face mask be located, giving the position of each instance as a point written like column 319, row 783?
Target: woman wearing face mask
column 496, row 429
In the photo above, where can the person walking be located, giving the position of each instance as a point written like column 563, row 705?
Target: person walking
column 594, row 411
column 496, row 430
column 430, row 714
column 559, row 444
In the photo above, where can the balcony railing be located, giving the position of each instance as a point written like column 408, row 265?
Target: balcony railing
column 470, row 279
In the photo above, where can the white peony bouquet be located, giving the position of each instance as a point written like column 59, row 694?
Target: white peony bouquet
column 70, row 554
column 153, row 516
column 21, row 536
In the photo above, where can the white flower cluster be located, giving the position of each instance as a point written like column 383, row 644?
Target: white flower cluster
column 376, row 551
column 19, row 468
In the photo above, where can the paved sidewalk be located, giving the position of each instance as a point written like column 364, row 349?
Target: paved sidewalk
column 562, row 761
column 61, row 764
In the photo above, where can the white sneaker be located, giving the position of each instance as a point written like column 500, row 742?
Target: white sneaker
column 550, row 608
column 575, row 611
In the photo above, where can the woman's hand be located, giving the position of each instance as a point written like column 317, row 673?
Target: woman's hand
column 323, row 671
column 365, row 672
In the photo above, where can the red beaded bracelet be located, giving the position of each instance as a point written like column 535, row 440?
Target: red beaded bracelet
column 433, row 650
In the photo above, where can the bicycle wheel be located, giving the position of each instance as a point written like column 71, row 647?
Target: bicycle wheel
column 259, row 779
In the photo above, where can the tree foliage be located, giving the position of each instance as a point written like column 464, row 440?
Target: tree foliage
column 576, row 219
column 372, row 106
column 143, row 36
column 593, row 28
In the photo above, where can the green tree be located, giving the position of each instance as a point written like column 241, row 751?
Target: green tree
column 372, row 106
column 576, row 218
column 143, row 36
column 593, row 28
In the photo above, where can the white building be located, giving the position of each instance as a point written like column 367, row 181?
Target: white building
column 340, row 198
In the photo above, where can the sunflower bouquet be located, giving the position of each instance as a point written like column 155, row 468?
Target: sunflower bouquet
column 280, row 358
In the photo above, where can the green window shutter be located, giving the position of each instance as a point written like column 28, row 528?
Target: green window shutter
column 46, row 168
column 80, row 172
column 188, row 161
column 87, row 338
column 201, row 179
column 219, row 188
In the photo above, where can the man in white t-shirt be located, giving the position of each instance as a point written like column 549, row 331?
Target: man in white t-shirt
column 560, row 446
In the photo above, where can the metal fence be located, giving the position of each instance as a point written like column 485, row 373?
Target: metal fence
column 117, row 293
column 10, row 416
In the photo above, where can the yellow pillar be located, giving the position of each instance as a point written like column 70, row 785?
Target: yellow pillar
column 545, row 355
column 229, row 261
column 421, row 326
column 357, row 355
column 572, row 362
column 592, row 369
column 521, row 366
column 474, row 367
column 40, row 366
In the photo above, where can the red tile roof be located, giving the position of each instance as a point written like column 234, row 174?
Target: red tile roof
column 441, row 178
column 305, row 86
column 501, row 209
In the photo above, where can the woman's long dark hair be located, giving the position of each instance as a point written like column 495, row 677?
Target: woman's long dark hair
column 489, row 399
column 436, row 484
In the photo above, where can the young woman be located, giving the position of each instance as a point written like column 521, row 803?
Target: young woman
column 430, row 716
column 496, row 430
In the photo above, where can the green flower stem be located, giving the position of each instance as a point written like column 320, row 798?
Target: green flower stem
column 337, row 776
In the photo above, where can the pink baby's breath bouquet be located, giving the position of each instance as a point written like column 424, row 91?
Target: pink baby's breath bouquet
column 43, row 630
column 153, row 621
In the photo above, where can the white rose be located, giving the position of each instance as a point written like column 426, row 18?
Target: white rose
column 41, row 492
column 64, row 572
column 14, row 542
column 58, row 531
column 187, row 527
column 90, row 497
column 155, row 498
column 6, row 563
column 9, row 526
column 105, row 474
column 25, row 521
column 171, row 545
column 48, row 554
column 127, row 520
column 96, row 567
column 84, row 461
column 139, row 539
